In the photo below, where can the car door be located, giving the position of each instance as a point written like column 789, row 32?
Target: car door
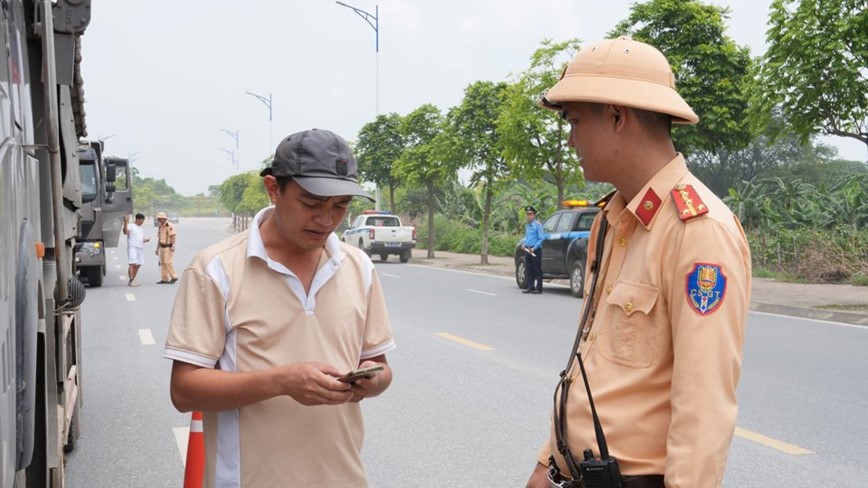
column 117, row 198
column 556, row 243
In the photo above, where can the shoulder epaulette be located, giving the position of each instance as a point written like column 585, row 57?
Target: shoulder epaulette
column 687, row 202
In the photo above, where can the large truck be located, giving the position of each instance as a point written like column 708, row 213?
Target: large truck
column 41, row 123
column 106, row 196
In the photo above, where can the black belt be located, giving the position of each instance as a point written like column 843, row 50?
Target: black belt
column 557, row 480
column 644, row 481
column 165, row 245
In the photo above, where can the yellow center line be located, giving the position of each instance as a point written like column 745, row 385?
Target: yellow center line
column 773, row 443
column 466, row 342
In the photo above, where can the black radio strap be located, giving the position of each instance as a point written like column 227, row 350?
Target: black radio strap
column 560, row 404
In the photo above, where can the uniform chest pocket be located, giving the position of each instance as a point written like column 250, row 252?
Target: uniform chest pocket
column 631, row 332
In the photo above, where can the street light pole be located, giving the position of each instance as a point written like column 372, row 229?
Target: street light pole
column 231, row 154
column 267, row 102
column 374, row 22
column 234, row 135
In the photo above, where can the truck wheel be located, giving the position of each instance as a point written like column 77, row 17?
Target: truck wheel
column 94, row 276
column 521, row 274
column 405, row 256
column 384, row 257
column 362, row 247
column 577, row 278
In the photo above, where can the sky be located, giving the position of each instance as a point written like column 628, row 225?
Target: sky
column 167, row 82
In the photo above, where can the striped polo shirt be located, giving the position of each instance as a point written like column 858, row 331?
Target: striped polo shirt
column 239, row 310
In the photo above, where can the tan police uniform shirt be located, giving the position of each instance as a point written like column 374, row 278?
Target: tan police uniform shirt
column 238, row 310
column 166, row 233
column 663, row 353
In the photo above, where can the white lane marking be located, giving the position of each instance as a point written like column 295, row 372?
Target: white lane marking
column 390, row 275
column 770, row 442
column 130, row 297
column 115, row 258
column 481, row 292
column 117, row 266
column 124, row 277
column 182, row 435
column 425, row 266
column 819, row 321
column 146, row 337
column 466, row 342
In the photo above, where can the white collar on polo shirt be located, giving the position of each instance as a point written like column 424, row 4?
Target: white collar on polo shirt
column 255, row 247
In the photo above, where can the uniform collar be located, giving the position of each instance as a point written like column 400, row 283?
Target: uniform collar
column 646, row 204
column 256, row 248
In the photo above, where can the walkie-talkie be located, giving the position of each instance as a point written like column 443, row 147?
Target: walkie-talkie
column 591, row 472
column 603, row 471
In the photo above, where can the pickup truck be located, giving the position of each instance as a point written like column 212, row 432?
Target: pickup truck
column 381, row 233
column 565, row 247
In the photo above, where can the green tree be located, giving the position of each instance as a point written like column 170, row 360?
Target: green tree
column 765, row 156
column 535, row 140
column 380, row 144
column 231, row 195
column 478, row 145
column 816, row 68
column 711, row 71
column 423, row 162
column 254, row 197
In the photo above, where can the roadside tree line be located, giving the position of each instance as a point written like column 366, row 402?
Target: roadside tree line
column 464, row 173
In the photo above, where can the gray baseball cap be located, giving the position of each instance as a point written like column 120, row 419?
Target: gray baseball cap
column 320, row 161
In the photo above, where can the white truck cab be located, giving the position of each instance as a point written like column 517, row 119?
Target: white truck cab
column 380, row 232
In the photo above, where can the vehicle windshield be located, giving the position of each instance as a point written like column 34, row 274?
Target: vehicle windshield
column 87, row 174
column 585, row 220
column 385, row 222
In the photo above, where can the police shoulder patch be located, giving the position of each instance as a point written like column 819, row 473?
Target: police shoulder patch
column 687, row 202
column 705, row 287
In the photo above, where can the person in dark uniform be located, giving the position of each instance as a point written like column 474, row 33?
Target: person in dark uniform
column 532, row 247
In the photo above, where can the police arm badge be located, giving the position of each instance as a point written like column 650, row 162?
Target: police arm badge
column 706, row 287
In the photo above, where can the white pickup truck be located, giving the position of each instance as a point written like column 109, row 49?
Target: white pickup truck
column 381, row 233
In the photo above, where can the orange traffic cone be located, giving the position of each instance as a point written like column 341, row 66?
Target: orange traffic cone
column 194, row 471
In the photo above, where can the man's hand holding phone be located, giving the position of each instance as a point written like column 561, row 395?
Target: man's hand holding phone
column 364, row 380
column 360, row 373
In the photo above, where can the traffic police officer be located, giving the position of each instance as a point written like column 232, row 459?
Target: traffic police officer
column 663, row 330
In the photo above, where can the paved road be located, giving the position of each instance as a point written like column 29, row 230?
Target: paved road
column 832, row 302
column 474, row 371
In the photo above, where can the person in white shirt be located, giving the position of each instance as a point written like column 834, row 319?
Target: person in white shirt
column 135, row 246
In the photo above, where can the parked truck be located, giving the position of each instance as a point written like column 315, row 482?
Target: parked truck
column 106, row 196
column 41, row 122
column 380, row 232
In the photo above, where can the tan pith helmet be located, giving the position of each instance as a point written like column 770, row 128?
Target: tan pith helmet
column 622, row 72
column 162, row 215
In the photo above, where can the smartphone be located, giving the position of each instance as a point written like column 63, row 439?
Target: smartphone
column 360, row 373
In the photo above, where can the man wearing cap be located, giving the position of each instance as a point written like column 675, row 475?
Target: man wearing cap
column 532, row 247
column 265, row 323
column 166, row 250
column 662, row 328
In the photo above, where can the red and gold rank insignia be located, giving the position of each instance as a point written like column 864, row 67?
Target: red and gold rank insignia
column 706, row 287
column 648, row 207
column 687, row 202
